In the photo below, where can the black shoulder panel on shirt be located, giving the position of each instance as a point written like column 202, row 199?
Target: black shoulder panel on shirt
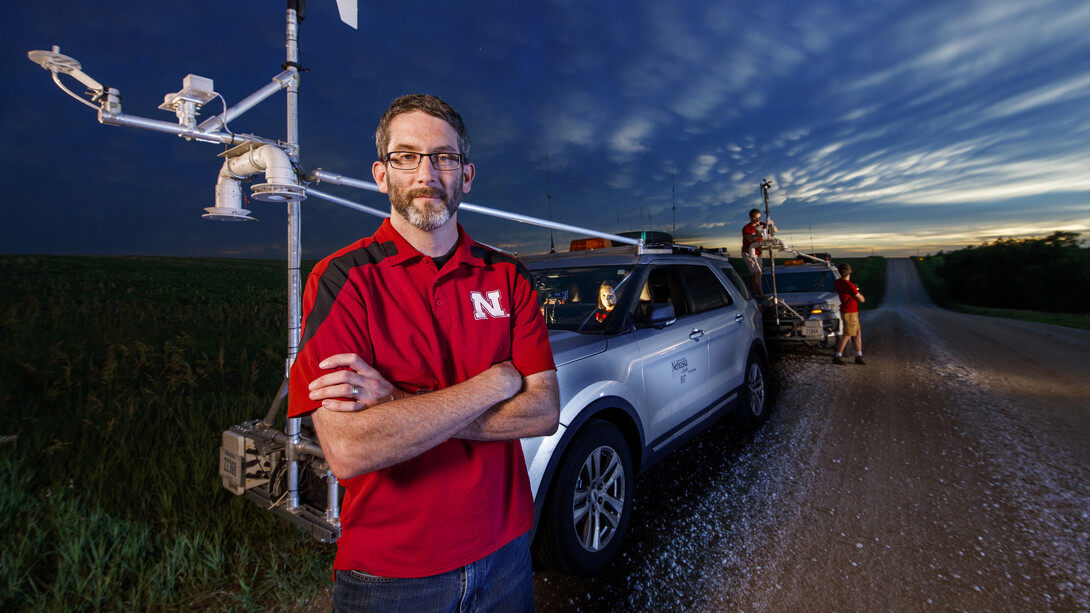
column 334, row 278
column 491, row 257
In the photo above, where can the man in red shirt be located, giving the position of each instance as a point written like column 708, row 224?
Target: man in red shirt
column 849, row 312
column 423, row 360
column 753, row 233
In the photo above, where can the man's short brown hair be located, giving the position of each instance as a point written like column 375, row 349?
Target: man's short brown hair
column 424, row 103
column 844, row 269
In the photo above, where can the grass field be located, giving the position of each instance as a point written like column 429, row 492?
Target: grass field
column 936, row 288
column 118, row 376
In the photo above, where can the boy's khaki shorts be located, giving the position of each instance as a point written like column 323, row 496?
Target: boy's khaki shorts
column 851, row 324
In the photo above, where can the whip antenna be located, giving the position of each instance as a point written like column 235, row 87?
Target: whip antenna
column 549, row 199
column 673, row 200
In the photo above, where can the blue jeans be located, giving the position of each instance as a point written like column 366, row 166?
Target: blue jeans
column 500, row 582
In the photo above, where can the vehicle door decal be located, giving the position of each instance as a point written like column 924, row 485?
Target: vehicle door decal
column 680, row 369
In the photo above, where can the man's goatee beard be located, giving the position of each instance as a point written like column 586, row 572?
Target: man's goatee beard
column 425, row 219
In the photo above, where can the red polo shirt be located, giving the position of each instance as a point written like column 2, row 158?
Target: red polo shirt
column 847, row 291
column 750, row 236
column 425, row 330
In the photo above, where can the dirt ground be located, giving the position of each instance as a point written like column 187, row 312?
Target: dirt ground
column 947, row 474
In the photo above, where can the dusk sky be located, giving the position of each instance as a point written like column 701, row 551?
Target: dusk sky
column 896, row 127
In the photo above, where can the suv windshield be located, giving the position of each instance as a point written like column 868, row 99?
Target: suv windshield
column 801, row 281
column 579, row 298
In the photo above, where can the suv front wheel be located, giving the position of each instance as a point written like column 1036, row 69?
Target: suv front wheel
column 754, row 408
column 590, row 503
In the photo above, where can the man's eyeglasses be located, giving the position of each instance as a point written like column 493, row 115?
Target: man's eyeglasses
column 410, row 160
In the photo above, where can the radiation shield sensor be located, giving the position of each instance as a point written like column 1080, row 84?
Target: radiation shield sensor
column 186, row 104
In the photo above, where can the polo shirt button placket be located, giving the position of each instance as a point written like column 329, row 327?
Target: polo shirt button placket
column 440, row 308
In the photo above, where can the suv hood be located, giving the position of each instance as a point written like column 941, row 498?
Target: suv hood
column 808, row 298
column 571, row 346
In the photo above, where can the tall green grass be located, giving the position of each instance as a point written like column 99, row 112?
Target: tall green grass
column 939, row 291
column 117, row 377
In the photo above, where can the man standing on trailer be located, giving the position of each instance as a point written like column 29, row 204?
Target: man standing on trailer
column 753, row 234
column 423, row 360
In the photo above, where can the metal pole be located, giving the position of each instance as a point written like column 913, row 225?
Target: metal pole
column 132, row 121
column 292, row 428
column 338, row 179
column 279, row 82
column 771, row 257
column 346, row 203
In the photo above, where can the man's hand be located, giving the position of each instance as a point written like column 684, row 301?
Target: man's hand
column 534, row 411
column 507, row 377
column 335, row 390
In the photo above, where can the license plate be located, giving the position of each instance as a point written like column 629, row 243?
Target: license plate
column 231, row 468
column 812, row 329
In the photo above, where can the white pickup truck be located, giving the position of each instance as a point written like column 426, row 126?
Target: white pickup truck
column 806, row 308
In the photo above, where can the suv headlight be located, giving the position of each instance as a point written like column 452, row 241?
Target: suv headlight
column 817, row 309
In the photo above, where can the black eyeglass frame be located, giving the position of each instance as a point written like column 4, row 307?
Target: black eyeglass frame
column 433, row 156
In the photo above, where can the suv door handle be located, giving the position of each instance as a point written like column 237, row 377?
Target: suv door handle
column 696, row 334
column 739, row 318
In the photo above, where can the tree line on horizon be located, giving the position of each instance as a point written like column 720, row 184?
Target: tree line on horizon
column 1050, row 274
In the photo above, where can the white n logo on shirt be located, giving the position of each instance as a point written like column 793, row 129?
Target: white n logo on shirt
column 487, row 304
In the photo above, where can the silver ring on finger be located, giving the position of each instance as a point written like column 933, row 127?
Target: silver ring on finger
column 355, row 392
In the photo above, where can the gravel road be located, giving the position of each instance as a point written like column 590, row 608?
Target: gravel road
column 944, row 475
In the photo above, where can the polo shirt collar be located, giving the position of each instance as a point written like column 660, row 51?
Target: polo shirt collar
column 404, row 252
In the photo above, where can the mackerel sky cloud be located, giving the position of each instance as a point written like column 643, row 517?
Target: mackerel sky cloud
column 894, row 128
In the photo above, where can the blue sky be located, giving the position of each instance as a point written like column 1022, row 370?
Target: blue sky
column 894, row 128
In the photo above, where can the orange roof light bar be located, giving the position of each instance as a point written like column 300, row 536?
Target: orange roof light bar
column 586, row 244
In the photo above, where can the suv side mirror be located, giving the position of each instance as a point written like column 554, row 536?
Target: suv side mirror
column 661, row 314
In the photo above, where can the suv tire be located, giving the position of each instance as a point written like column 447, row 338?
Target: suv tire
column 589, row 506
column 754, row 408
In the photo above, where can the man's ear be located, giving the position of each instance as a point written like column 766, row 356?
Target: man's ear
column 468, row 172
column 378, row 171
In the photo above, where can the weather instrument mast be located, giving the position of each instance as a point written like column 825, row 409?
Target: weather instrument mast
column 765, row 186
column 286, row 181
column 780, row 309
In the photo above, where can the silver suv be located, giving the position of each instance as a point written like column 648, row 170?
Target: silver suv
column 651, row 348
column 807, row 309
column 652, row 345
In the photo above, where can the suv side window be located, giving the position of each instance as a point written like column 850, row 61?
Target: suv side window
column 704, row 288
column 737, row 281
column 664, row 285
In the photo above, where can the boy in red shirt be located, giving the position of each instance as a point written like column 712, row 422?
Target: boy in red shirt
column 849, row 311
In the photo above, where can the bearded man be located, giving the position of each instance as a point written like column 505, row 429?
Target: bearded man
column 423, row 360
